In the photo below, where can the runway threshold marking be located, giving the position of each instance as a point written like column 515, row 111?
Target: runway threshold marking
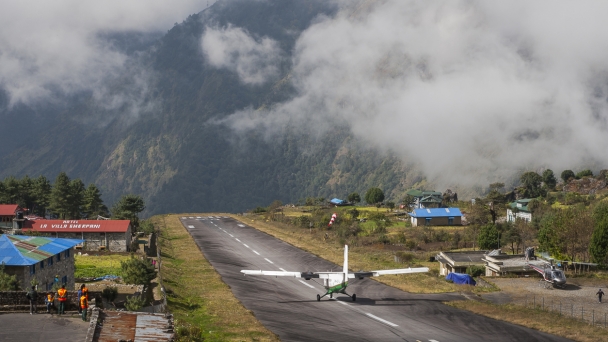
column 303, row 282
column 381, row 320
column 255, row 252
column 268, row 260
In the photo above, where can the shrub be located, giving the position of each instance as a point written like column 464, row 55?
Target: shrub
column 109, row 293
column 302, row 221
column 475, row 271
column 404, row 257
column 135, row 303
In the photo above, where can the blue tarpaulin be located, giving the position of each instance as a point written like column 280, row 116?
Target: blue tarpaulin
column 460, row 278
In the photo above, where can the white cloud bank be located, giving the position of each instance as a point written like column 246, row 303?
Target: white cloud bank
column 254, row 61
column 54, row 46
column 457, row 86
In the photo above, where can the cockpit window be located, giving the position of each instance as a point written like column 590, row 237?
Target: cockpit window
column 558, row 275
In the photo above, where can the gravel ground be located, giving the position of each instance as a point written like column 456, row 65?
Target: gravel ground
column 577, row 299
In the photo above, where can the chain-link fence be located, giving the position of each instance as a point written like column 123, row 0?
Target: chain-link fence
column 584, row 312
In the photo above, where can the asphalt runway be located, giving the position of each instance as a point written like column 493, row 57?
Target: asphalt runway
column 289, row 308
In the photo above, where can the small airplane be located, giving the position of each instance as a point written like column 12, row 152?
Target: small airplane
column 551, row 274
column 336, row 282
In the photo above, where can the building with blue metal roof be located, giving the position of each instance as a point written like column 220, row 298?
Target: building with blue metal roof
column 436, row 217
column 43, row 259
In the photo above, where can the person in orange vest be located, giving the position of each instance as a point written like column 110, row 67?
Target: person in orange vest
column 62, row 297
column 85, row 291
column 49, row 301
column 84, row 305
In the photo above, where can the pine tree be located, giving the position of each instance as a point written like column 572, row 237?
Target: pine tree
column 93, row 204
column 77, row 191
column 41, row 193
column 60, row 196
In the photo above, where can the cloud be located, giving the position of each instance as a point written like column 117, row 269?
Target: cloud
column 60, row 47
column 254, row 60
column 461, row 88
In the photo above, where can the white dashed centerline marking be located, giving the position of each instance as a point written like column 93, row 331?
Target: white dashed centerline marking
column 245, row 245
column 255, row 252
column 238, row 240
column 381, row 320
column 191, row 227
column 282, row 269
column 303, row 282
column 268, row 260
column 241, row 225
column 230, row 235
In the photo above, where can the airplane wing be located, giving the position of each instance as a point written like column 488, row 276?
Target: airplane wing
column 273, row 273
column 361, row 275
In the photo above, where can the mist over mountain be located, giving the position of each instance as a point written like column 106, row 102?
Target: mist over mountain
column 246, row 102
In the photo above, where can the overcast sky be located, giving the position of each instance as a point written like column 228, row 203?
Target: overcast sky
column 55, row 45
column 457, row 86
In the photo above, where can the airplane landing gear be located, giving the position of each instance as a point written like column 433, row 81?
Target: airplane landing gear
column 354, row 297
column 318, row 298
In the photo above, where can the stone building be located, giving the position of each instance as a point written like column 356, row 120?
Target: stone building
column 8, row 215
column 45, row 260
column 98, row 235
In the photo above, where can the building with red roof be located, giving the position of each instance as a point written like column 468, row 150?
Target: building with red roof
column 8, row 214
column 110, row 235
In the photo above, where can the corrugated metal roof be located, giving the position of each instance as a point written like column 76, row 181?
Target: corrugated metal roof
column 136, row 326
column 19, row 250
column 78, row 226
column 8, row 209
column 436, row 212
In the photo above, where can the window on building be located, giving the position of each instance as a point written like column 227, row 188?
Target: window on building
column 32, row 269
column 450, row 221
column 67, row 253
column 427, row 221
column 42, row 264
column 58, row 257
column 50, row 261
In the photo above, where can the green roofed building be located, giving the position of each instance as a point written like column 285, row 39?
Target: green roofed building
column 519, row 209
column 47, row 260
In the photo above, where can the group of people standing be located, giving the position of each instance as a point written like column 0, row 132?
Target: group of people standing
column 62, row 298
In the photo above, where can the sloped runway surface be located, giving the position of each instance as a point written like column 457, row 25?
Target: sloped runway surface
column 289, row 308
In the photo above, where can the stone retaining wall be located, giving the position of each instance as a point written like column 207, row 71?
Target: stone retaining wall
column 17, row 301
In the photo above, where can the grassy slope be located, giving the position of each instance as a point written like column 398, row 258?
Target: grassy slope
column 200, row 301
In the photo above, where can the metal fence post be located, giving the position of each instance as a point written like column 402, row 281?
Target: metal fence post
column 534, row 302
column 543, row 303
column 560, row 308
column 583, row 313
column 604, row 321
column 593, row 317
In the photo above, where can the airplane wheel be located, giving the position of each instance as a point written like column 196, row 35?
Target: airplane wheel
column 354, row 297
column 331, row 295
column 318, row 298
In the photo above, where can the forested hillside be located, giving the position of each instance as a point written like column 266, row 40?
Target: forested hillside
column 171, row 151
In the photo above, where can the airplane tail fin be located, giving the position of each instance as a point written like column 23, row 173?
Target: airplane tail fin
column 345, row 269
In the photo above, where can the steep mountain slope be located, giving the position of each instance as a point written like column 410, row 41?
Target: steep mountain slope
column 171, row 151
